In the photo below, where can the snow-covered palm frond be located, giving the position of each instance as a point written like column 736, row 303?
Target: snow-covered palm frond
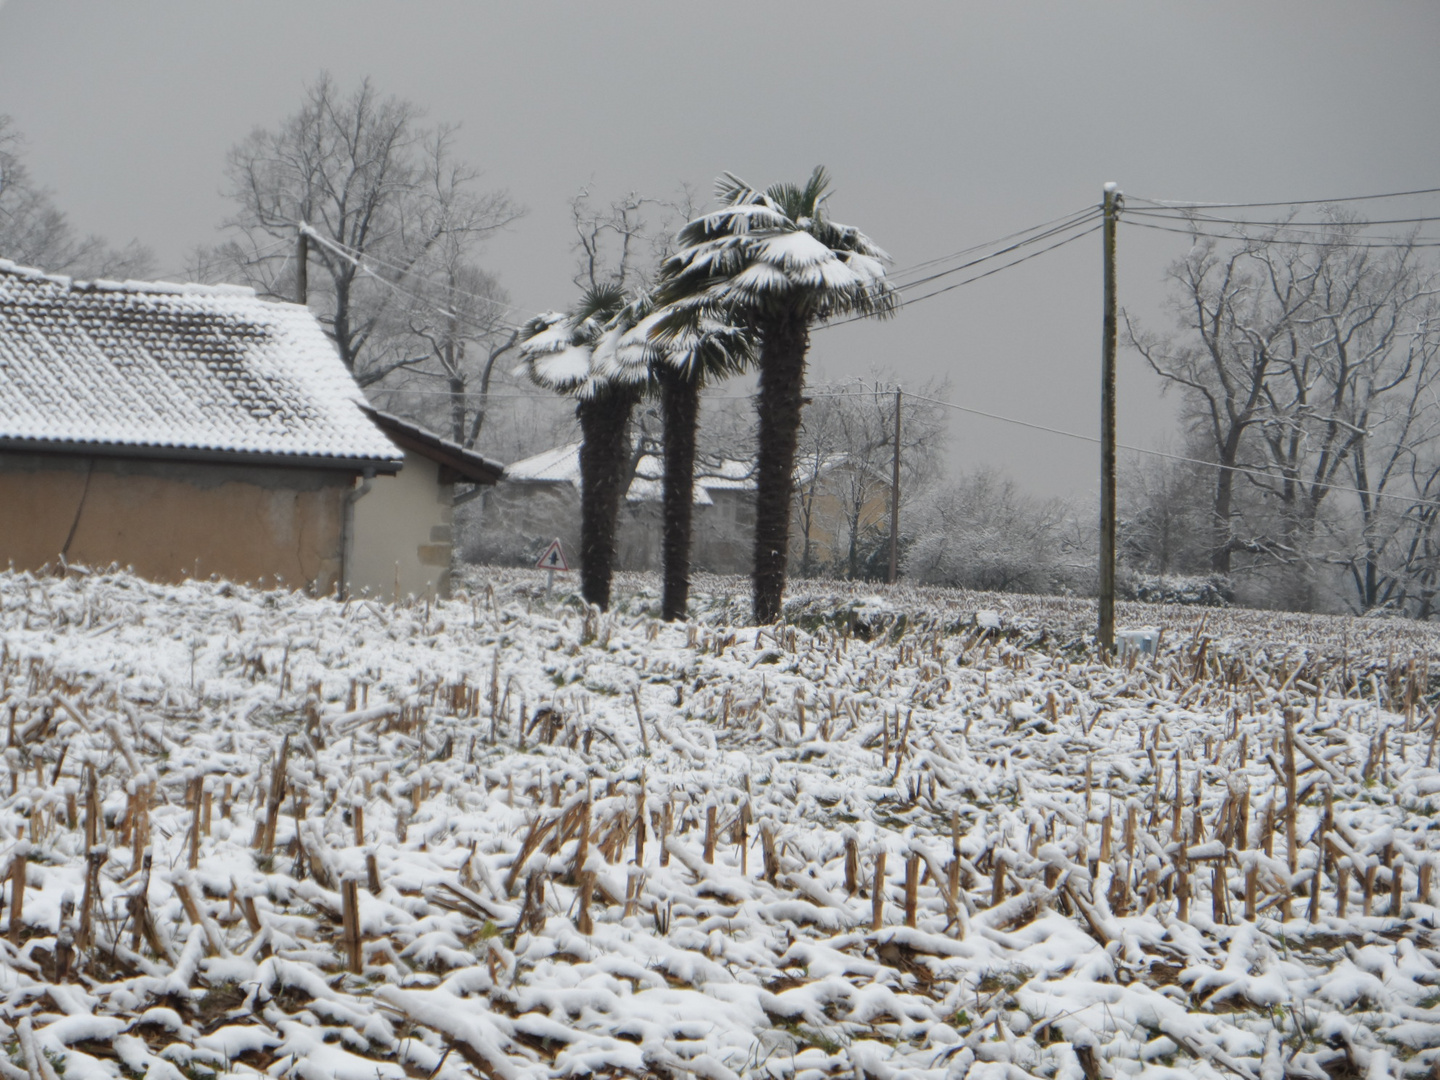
column 615, row 358
column 733, row 221
column 732, row 191
column 575, row 352
column 793, row 251
column 771, row 249
column 691, row 342
column 561, row 369
column 550, row 354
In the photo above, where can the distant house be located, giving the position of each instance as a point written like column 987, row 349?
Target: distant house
column 841, row 513
column 188, row 430
column 538, row 499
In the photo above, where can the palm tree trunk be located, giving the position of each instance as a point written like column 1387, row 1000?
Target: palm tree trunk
column 680, row 403
column 784, row 340
column 604, row 429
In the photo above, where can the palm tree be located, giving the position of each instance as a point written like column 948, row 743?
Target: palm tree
column 772, row 263
column 575, row 353
column 681, row 362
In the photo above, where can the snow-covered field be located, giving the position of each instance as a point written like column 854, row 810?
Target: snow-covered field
column 905, row 834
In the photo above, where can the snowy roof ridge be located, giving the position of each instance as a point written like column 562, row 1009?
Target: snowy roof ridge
column 155, row 367
column 128, row 285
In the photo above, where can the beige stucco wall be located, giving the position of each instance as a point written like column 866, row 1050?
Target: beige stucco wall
column 402, row 534
column 171, row 521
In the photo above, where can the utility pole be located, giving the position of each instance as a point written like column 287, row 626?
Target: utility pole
column 302, row 266
column 895, row 500
column 1105, row 635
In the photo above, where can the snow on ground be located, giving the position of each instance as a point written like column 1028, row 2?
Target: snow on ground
column 904, row 834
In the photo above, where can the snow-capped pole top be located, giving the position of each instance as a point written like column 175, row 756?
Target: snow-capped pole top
column 164, row 369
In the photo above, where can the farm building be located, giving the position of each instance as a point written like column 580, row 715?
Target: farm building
column 404, row 524
column 841, row 513
column 538, row 499
column 190, row 430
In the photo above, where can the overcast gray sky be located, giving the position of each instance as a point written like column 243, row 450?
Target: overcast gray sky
column 943, row 124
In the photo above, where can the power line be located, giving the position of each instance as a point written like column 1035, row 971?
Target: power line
column 1049, row 229
column 1241, row 469
column 1090, row 215
column 358, row 260
column 907, row 302
column 1001, row 240
column 888, row 392
column 1395, row 245
column 552, row 395
column 1183, row 215
column 253, row 254
column 1288, row 202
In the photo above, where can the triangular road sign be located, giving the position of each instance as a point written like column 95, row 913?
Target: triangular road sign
column 554, row 558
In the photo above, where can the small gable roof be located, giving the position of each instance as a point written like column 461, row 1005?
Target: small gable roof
column 151, row 369
column 466, row 464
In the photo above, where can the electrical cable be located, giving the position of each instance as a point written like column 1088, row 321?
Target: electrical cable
column 358, row 260
column 887, row 392
column 908, row 301
column 1056, row 225
column 1418, row 242
column 552, row 395
column 1181, row 204
column 1090, row 216
column 1049, row 229
column 1210, row 219
column 1241, row 469
column 179, row 278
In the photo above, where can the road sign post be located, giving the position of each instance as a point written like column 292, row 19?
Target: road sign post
column 550, row 562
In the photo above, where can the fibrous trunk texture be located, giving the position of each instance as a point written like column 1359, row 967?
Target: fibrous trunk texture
column 604, row 450
column 784, row 340
column 680, row 403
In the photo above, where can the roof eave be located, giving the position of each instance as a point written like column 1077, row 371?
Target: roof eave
column 410, row 436
column 200, row 455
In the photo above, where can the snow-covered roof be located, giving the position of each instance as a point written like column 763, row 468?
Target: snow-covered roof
column 562, row 466
column 153, row 368
column 462, row 462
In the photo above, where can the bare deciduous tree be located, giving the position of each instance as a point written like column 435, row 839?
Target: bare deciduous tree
column 1305, row 371
column 35, row 232
column 844, row 470
column 388, row 203
column 1238, row 321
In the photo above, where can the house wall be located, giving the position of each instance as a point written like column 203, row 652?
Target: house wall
column 403, row 534
column 173, row 520
column 829, row 523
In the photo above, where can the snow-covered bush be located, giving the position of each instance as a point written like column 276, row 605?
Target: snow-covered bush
column 984, row 533
column 1211, row 590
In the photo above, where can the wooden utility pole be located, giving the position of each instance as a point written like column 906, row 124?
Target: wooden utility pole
column 302, row 267
column 895, row 500
column 1105, row 634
